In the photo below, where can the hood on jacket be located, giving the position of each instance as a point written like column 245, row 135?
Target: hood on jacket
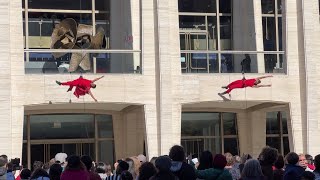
column 175, row 166
column 3, row 171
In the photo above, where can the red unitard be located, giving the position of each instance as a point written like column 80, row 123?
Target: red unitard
column 240, row 84
column 82, row 86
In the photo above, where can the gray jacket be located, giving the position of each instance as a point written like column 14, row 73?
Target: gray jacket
column 3, row 173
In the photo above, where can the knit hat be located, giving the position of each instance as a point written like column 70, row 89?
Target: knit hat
column 163, row 163
column 219, row 161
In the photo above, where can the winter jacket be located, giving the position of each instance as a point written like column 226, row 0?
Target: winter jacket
column 212, row 173
column 10, row 176
column 293, row 172
column 278, row 174
column 183, row 170
column 317, row 174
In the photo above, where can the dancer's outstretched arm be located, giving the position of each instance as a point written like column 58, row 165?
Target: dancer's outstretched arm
column 262, row 77
column 97, row 79
column 258, row 86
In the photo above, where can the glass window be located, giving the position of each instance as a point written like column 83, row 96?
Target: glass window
column 231, row 146
column 203, row 6
column 225, row 6
column 102, row 5
column 284, row 123
column 61, row 126
column 267, row 6
column 274, row 142
column 280, row 6
column 200, row 124
column 286, row 147
column 269, row 33
column 25, row 128
column 280, row 33
column 229, row 124
column 106, row 151
column 225, row 32
column 105, row 126
column 192, row 22
column 60, row 4
column 273, row 126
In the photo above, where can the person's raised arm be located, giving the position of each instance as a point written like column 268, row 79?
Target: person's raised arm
column 262, row 77
column 89, row 92
column 97, row 79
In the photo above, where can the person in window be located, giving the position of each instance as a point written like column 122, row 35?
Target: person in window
column 82, row 85
column 246, row 64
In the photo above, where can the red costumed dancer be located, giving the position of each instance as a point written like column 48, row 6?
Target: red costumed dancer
column 245, row 83
column 82, row 85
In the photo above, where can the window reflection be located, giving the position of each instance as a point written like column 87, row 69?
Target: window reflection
column 60, row 4
column 203, row 6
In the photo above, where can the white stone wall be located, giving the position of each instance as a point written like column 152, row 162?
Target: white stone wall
column 162, row 89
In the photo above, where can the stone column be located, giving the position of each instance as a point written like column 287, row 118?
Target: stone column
column 258, row 131
column 152, row 130
column 244, row 134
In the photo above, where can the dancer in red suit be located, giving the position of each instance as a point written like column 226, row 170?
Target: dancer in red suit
column 82, row 85
column 245, row 83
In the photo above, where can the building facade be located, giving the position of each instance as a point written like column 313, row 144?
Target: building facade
column 164, row 63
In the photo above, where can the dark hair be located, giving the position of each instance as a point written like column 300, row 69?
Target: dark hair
column 268, row 156
column 39, row 173
column 153, row 160
column 206, row 160
column 126, row 175
column 87, row 161
column 219, row 161
column 177, row 153
column 101, row 168
column 146, row 171
column 279, row 164
column 309, row 158
column 74, row 163
column 55, row 171
column 307, row 175
column 25, row 174
column 163, row 163
column 37, row 165
column 317, row 162
column 10, row 167
column 122, row 166
column 292, row 158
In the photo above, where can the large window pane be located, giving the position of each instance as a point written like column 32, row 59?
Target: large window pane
column 225, row 6
column 198, row 145
column 61, row 126
column 280, row 6
column 103, row 5
column 229, row 124
column 284, row 123
column 105, row 126
column 274, row 142
column 269, row 33
column 225, row 32
column 106, row 151
column 273, row 124
column 203, row 6
column 231, row 146
column 280, row 33
column 238, row 63
column 267, row 6
column 25, row 127
column 60, row 4
column 286, row 147
column 200, row 124
column 212, row 32
column 192, row 23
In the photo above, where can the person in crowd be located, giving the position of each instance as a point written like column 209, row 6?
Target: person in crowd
column 232, row 167
column 75, row 169
column 217, row 172
column 126, row 175
column 55, row 171
column 122, row 166
column 244, row 159
column 163, row 165
column 205, row 160
column 37, row 165
column 25, row 174
column 3, row 168
column 252, row 171
column 317, row 167
column 87, row 161
column 303, row 162
column 292, row 171
column 243, row 83
column 142, row 158
column 237, row 159
column 153, row 160
column 101, row 170
column 61, row 158
column 134, row 165
column 179, row 167
column 108, row 169
column 146, row 171
column 267, row 158
column 309, row 159
column 40, row 174
column 278, row 171
column 10, row 171
column 307, row 175
column 46, row 167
